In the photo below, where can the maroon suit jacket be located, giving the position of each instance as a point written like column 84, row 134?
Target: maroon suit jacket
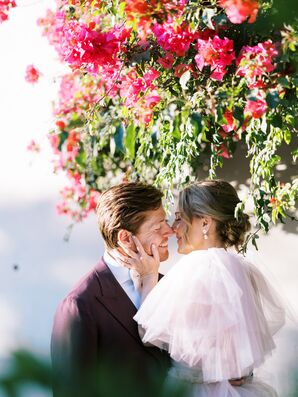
column 94, row 330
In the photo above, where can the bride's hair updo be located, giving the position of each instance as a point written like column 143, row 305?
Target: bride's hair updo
column 217, row 199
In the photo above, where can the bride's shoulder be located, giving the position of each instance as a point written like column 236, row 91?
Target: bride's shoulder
column 211, row 258
column 204, row 256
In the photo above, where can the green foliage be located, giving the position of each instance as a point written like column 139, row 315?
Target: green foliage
column 196, row 115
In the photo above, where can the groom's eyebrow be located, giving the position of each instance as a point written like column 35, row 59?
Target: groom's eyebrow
column 157, row 221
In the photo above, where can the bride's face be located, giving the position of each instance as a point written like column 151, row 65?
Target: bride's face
column 190, row 237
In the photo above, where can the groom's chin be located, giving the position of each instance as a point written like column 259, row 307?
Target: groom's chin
column 163, row 255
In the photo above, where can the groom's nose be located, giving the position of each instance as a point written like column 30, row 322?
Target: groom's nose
column 168, row 231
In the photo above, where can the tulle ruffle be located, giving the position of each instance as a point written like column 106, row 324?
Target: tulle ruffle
column 215, row 312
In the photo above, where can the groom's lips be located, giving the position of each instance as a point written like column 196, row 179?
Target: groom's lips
column 163, row 245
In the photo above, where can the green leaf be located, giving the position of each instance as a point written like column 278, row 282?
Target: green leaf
column 294, row 153
column 130, row 141
column 63, row 136
column 284, row 82
column 292, row 47
column 121, row 9
column 276, row 121
column 287, row 137
column 118, row 138
column 254, row 243
column 75, row 122
column 81, row 158
column 238, row 114
column 196, row 122
column 272, row 99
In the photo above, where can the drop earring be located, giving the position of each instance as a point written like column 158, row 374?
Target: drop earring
column 205, row 234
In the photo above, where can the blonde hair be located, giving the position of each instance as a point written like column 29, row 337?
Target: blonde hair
column 217, row 199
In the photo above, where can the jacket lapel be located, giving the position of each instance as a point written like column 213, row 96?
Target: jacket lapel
column 115, row 300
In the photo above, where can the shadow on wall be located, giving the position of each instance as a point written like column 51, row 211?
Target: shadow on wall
column 236, row 169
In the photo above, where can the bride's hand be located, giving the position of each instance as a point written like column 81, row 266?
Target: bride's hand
column 143, row 263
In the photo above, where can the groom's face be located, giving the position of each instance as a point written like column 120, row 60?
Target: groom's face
column 155, row 230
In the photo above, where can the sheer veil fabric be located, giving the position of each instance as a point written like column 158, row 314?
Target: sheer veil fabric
column 216, row 315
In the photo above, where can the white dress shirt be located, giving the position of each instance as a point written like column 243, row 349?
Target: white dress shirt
column 122, row 275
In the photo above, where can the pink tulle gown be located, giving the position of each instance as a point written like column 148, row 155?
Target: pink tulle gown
column 216, row 315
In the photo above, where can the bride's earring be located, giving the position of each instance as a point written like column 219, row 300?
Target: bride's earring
column 205, row 234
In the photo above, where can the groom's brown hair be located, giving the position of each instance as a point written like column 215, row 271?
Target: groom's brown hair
column 124, row 207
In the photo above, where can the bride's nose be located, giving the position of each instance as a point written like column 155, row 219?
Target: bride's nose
column 174, row 226
column 168, row 230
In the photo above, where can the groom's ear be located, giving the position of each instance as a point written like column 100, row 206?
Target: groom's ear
column 124, row 237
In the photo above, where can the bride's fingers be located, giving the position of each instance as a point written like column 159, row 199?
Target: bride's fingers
column 120, row 256
column 128, row 251
column 125, row 264
column 139, row 246
column 155, row 253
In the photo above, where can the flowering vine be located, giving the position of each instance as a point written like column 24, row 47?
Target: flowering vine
column 5, row 6
column 153, row 86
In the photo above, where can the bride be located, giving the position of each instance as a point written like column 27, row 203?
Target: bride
column 214, row 312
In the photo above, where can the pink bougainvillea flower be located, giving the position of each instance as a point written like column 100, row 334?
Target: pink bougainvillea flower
column 180, row 69
column 174, row 38
column 91, row 49
column 77, row 94
column 5, row 6
column 92, row 200
column 60, row 124
column 222, row 151
column 152, row 99
column 32, row 74
column 150, row 75
column 33, row 147
column 255, row 108
column 255, row 62
column 53, row 28
column 132, row 86
column 239, row 11
column 72, row 141
column 217, row 53
column 231, row 125
column 167, row 61
column 54, row 142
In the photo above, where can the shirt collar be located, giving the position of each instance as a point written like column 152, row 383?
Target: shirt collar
column 120, row 272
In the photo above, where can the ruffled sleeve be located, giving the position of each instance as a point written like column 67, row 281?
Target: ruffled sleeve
column 207, row 314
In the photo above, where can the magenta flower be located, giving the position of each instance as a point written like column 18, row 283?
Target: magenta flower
column 231, row 125
column 32, row 74
column 5, row 6
column 217, row 53
column 167, row 61
column 255, row 62
column 175, row 39
column 256, row 108
column 33, row 147
column 240, row 10
column 91, row 49
column 132, row 85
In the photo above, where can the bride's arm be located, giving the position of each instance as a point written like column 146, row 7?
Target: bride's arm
column 148, row 282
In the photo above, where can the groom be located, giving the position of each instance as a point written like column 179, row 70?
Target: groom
column 96, row 349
